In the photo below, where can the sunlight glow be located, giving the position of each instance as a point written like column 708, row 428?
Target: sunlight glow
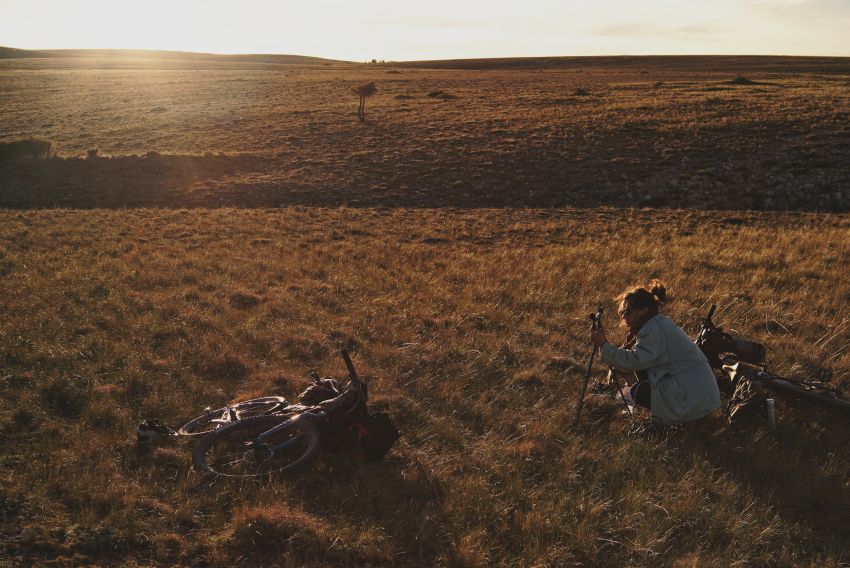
column 438, row 29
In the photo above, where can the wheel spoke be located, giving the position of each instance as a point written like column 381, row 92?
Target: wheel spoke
column 214, row 419
column 229, row 451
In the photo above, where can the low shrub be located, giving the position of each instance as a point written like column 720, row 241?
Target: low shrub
column 441, row 95
column 244, row 300
column 27, row 149
column 742, row 81
column 277, row 529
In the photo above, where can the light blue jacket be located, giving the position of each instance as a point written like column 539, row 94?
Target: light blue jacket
column 683, row 385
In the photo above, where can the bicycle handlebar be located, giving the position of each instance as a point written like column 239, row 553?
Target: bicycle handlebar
column 350, row 365
column 714, row 342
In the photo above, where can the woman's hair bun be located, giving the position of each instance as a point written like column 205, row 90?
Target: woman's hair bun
column 658, row 289
column 651, row 296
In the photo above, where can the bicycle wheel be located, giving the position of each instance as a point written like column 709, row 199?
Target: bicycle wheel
column 215, row 419
column 822, row 398
column 233, row 451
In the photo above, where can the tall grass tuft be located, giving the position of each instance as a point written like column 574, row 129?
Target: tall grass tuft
column 276, row 529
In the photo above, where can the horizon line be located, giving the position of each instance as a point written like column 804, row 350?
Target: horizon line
column 386, row 61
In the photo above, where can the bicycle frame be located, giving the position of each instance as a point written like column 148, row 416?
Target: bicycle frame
column 230, row 414
column 318, row 416
column 280, row 427
column 212, row 420
column 743, row 360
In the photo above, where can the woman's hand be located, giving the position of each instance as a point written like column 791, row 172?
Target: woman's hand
column 597, row 336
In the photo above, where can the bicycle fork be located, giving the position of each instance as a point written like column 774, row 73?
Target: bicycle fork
column 259, row 451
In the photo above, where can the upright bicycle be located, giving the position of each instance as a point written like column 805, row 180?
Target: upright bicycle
column 744, row 375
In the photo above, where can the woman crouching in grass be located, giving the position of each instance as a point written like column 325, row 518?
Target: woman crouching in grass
column 675, row 382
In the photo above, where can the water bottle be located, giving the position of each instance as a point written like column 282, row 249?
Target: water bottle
column 771, row 414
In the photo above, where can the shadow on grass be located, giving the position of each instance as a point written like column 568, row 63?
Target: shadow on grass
column 800, row 473
column 116, row 182
column 402, row 500
column 534, row 176
column 379, row 514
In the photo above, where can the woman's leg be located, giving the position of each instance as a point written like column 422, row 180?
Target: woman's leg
column 641, row 393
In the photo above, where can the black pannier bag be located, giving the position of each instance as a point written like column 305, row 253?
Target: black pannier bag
column 374, row 435
column 319, row 390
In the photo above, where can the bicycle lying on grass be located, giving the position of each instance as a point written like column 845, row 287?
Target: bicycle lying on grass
column 744, row 375
column 264, row 436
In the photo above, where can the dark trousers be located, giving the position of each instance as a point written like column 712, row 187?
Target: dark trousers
column 641, row 393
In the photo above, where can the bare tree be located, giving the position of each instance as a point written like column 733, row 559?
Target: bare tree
column 363, row 91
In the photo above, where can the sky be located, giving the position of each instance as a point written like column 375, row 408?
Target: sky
column 398, row 30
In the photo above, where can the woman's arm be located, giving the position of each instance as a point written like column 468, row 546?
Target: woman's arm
column 645, row 354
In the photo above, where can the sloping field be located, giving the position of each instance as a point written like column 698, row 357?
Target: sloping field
column 471, row 324
column 716, row 63
column 702, row 132
column 210, row 230
column 156, row 57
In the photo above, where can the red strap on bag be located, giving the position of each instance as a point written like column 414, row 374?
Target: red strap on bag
column 359, row 429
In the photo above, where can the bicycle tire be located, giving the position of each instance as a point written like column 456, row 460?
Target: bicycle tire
column 227, row 452
column 821, row 398
column 212, row 420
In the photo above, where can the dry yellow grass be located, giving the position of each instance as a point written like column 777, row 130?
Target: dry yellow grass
column 109, row 317
column 471, row 321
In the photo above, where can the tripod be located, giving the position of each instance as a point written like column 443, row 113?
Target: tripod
column 596, row 321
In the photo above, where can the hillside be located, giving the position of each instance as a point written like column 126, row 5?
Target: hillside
column 709, row 133
column 186, row 56
column 14, row 53
column 729, row 63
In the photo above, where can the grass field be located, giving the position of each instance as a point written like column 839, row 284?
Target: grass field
column 443, row 244
column 715, row 133
column 460, row 318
